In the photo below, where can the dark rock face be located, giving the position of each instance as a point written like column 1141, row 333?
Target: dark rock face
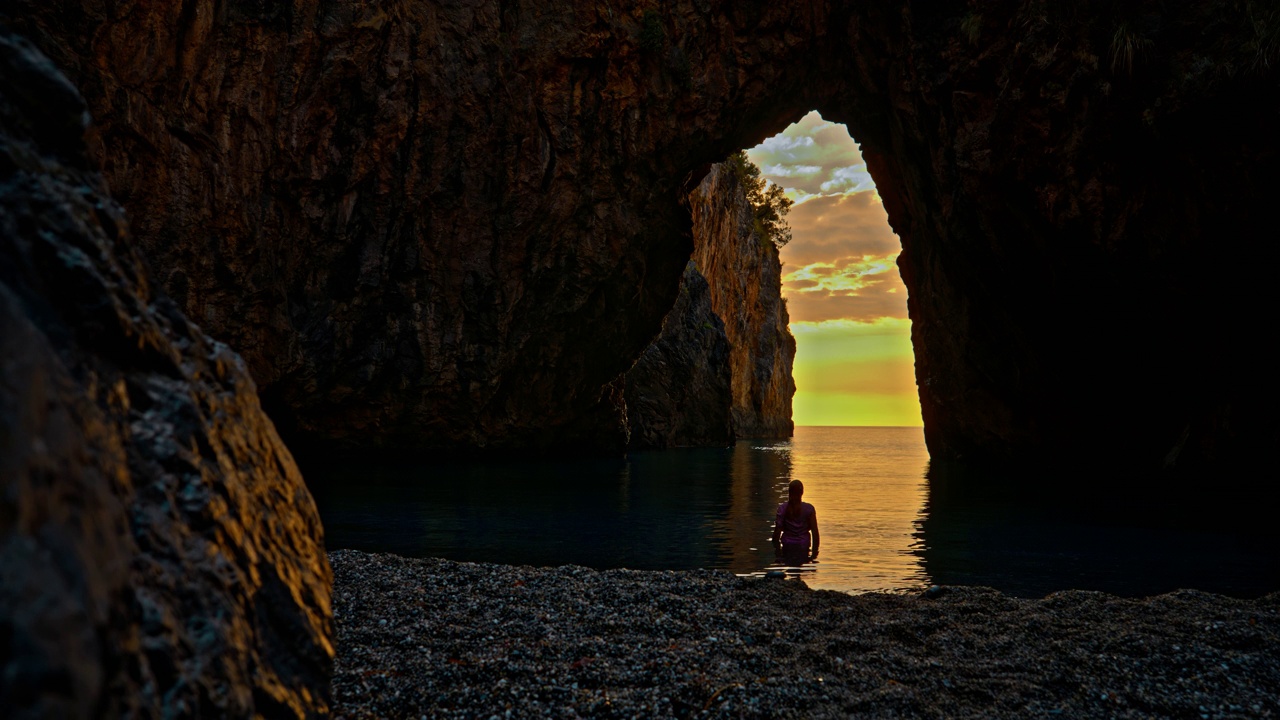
column 1060, row 177
column 745, row 277
column 430, row 224
column 159, row 554
column 425, row 225
column 680, row 392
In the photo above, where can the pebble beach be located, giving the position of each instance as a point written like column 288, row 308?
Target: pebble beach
column 440, row 639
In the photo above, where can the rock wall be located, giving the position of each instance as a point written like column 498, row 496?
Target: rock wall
column 1083, row 194
column 159, row 554
column 430, row 224
column 680, row 391
column 424, row 225
column 745, row 276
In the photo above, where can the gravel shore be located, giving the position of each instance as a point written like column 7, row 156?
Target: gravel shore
column 444, row 639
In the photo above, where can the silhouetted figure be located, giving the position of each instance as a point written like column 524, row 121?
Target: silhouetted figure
column 795, row 522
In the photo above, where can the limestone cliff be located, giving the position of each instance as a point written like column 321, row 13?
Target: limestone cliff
column 159, row 554
column 721, row 369
column 435, row 224
column 745, row 277
column 680, row 393
column 1060, row 176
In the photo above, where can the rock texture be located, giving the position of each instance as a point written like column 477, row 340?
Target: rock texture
column 680, row 391
column 721, row 369
column 434, row 224
column 425, row 225
column 745, row 276
column 159, row 554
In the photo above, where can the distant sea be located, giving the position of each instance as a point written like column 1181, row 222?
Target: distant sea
column 886, row 525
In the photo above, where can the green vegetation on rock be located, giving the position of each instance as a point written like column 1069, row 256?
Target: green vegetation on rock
column 768, row 200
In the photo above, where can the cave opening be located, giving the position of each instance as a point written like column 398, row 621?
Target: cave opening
column 854, row 364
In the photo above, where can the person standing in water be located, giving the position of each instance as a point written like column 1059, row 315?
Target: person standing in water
column 795, row 523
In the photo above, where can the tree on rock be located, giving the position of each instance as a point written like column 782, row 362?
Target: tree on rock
column 767, row 199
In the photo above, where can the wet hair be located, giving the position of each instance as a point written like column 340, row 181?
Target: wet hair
column 795, row 485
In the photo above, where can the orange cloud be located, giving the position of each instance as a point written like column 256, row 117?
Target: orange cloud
column 842, row 261
column 867, row 306
column 839, row 226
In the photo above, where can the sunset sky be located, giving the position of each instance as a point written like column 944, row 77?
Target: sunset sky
column 847, row 302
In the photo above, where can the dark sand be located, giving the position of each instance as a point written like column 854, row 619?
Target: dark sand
column 443, row 639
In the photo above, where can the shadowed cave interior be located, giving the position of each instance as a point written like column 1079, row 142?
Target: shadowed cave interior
column 417, row 227
column 401, row 273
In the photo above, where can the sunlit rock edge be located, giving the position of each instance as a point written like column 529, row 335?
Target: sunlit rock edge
column 159, row 553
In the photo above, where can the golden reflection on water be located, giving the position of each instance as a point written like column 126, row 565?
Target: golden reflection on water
column 714, row 508
column 751, row 499
column 869, row 489
column 670, row 509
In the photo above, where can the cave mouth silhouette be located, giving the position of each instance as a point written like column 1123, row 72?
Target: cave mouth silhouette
column 477, row 284
column 844, row 293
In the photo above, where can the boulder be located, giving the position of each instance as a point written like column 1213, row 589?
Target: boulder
column 159, row 553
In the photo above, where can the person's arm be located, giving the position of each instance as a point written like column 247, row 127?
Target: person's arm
column 813, row 530
column 777, row 531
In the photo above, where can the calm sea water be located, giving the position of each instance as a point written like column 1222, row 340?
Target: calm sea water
column 887, row 521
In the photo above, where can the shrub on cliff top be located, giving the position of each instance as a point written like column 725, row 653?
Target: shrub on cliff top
column 768, row 202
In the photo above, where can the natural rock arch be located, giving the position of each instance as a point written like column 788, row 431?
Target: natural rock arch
column 440, row 225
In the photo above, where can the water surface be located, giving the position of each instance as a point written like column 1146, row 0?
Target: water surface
column 887, row 521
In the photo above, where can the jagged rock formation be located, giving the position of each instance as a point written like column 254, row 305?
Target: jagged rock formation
column 721, row 369
column 159, row 554
column 680, row 391
column 745, row 276
column 432, row 224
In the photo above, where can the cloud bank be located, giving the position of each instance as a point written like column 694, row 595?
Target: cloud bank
column 841, row 263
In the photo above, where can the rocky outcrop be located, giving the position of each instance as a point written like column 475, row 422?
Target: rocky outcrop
column 430, row 224
column 745, row 277
column 680, row 392
column 721, row 369
column 159, row 554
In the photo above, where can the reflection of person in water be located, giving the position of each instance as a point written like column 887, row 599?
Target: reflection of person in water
column 795, row 522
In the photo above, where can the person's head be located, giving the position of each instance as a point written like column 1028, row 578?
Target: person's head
column 795, row 489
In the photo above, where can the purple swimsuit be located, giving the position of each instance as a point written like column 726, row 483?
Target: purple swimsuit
column 796, row 532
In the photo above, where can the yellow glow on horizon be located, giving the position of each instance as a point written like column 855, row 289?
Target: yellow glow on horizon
column 855, row 373
column 863, row 410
